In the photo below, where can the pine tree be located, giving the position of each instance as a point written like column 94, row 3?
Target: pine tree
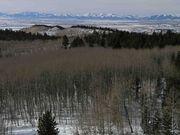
column 65, row 41
column 47, row 125
column 103, row 42
column 77, row 42
column 0, row 52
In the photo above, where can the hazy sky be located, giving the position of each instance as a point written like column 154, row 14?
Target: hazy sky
column 122, row 7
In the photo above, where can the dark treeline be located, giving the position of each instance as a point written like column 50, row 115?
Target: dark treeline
column 122, row 39
column 20, row 35
column 48, row 26
column 93, row 27
column 77, row 42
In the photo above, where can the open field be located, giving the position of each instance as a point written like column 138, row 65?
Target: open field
column 91, row 91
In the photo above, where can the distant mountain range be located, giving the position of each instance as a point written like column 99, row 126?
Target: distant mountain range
column 36, row 15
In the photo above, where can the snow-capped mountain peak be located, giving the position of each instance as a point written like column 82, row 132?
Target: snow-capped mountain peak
column 108, row 16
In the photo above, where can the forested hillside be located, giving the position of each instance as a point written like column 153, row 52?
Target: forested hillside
column 122, row 39
column 104, row 37
column 20, row 35
column 92, row 91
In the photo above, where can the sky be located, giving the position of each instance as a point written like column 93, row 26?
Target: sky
column 121, row 7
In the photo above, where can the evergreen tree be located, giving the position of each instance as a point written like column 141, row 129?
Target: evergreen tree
column 0, row 52
column 65, row 41
column 103, row 42
column 47, row 125
column 77, row 42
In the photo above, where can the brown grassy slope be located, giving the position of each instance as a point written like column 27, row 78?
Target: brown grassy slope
column 54, row 30
column 36, row 28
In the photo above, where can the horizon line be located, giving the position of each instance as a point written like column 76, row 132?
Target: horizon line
column 90, row 13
